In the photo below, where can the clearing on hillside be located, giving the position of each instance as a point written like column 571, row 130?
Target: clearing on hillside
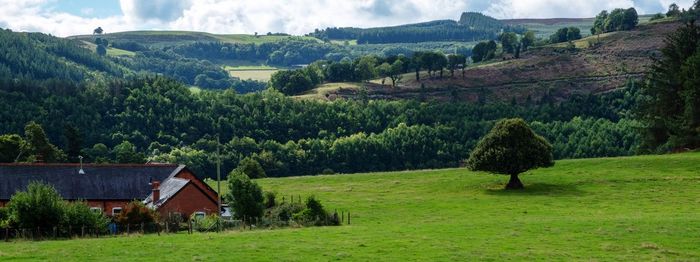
column 614, row 209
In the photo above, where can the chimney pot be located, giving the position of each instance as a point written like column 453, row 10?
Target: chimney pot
column 155, row 191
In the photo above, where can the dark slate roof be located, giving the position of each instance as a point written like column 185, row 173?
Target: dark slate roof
column 100, row 182
column 168, row 189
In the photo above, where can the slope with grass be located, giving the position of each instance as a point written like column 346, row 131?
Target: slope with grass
column 597, row 64
column 617, row 209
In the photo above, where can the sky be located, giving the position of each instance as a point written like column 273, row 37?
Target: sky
column 298, row 17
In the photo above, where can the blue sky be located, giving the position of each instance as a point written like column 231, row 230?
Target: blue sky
column 87, row 8
column 72, row 17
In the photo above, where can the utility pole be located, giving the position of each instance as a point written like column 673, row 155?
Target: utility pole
column 218, row 179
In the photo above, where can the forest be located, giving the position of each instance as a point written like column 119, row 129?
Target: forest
column 162, row 120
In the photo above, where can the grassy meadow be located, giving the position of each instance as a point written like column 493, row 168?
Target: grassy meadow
column 261, row 73
column 624, row 209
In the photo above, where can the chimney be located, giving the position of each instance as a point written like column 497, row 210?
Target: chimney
column 156, row 191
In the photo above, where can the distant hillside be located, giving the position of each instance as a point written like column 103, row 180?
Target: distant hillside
column 161, row 39
column 471, row 27
column 38, row 56
column 552, row 71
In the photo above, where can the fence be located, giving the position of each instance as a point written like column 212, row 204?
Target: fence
column 191, row 226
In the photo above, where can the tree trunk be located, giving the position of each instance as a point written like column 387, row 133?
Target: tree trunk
column 514, row 183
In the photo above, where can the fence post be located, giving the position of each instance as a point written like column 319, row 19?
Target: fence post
column 70, row 231
column 158, row 228
column 348, row 217
column 82, row 231
column 342, row 217
column 38, row 233
column 97, row 232
column 128, row 229
column 142, row 232
column 167, row 229
column 7, row 234
column 55, row 232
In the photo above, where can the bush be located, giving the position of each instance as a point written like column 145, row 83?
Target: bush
column 136, row 213
column 78, row 214
column 285, row 211
column 314, row 214
column 4, row 217
column 174, row 222
column 270, row 199
column 208, row 223
column 328, row 171
column 39, row 206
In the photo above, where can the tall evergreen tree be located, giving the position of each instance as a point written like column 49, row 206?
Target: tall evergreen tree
column 670, row 106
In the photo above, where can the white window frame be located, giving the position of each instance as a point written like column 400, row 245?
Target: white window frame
column 96, row 209
column 116, row 208
column 200, row 213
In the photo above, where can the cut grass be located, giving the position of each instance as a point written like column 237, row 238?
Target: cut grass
column 261, row 73
column 611, row 209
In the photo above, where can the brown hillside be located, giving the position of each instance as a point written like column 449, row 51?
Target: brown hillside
column 620, row 56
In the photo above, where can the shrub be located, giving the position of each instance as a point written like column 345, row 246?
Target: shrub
column 313, row 213
column 328, row 171
column 174, row 222
column 285, row 211
column 4, row 217
column 78, row 214
column 270, row 201
column 136, row 213
column 39, row 206
column 208, row 223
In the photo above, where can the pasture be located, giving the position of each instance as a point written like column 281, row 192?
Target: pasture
column 261, row 73
column 630, row 209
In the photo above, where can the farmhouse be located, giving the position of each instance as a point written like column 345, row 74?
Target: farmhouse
column 167, row 188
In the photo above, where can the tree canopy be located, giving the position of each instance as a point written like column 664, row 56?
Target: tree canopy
column 511, row 148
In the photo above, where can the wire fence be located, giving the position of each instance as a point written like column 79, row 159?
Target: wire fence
column 160, row 228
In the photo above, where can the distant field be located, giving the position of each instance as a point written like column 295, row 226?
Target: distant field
column 614, row 209
column 259, row 73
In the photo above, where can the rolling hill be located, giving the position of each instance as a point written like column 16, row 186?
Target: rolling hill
column 596, row 65
column 613, row 209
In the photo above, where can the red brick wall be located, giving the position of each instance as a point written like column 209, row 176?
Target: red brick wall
column 186, row 174
column 2, row 203
column 107, row 206
column 188, row 201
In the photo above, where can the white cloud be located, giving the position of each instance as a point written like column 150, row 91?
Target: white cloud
column 292, row 16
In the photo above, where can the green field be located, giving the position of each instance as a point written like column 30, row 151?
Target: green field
column 261, row 73
column 618, row 209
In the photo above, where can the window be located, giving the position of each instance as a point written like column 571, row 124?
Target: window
column 96, row 209
column 116, row 211
column 199, row 215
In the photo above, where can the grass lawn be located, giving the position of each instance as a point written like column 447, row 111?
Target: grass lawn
column 261, row 73
column 617, row 209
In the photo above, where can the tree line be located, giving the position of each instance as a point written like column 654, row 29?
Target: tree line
column 161, row 119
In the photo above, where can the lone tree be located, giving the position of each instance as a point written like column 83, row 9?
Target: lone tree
column 511, row 148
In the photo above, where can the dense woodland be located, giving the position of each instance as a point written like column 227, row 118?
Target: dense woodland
column 160, row 119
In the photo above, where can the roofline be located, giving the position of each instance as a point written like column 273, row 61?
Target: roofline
column 88, row 165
